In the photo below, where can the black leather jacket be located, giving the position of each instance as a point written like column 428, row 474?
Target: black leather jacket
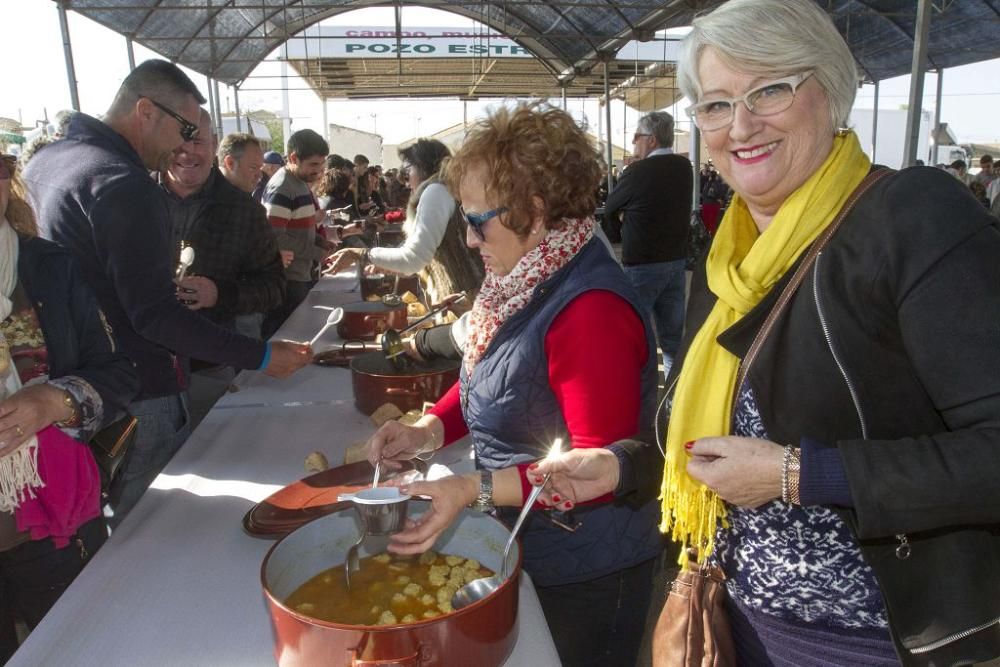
column 890, row 351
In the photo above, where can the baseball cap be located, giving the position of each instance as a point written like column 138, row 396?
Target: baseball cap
column 272, row 157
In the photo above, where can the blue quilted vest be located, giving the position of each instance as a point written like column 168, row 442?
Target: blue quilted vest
column 513, row 417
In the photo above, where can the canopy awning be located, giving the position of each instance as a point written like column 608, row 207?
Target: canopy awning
column 227, row 39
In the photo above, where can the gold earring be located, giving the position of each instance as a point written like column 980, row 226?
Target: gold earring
column 843, row 131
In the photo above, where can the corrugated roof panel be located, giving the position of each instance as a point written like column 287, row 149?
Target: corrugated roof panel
column 564, row 33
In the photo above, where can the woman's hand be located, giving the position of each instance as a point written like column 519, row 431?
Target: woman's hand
column 448, row 497
column 578, row 475
column 29, row 411
column 743, row 471
column 342, row 259
column 398, row 442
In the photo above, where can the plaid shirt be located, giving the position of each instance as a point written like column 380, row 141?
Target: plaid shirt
column 234, row 247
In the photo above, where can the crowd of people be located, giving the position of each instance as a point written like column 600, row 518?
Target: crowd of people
column 829, row 369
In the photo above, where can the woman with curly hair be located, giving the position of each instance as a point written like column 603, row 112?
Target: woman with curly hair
column 557, row 348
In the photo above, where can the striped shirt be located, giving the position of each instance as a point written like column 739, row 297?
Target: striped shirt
column 291, row 210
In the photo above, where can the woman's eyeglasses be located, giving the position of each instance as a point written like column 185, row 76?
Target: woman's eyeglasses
column 767, row 100
column 189, row 131
column 477, row 220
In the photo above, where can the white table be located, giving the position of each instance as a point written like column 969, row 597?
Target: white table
column 179, row 582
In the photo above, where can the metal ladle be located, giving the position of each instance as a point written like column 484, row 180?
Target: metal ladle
column 392, row 340
column 477, row 589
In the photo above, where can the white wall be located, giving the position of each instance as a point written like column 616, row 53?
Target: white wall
column 348, row 142
column 891, row 135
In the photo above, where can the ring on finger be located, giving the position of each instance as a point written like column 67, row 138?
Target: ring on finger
column 20, row 431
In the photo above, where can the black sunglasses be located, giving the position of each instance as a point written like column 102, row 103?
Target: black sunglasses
column 477, row 220
column 189, row 131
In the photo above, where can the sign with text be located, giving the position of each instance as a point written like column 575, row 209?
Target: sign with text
column 380, row 42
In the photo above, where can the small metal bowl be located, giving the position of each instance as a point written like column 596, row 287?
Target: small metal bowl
column 382, row 509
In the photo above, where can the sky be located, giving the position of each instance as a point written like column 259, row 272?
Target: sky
column 34, row 82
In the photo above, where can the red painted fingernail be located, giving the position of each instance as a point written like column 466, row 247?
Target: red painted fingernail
column 569, row 504
column 532, row 466
column 556, row 498
column 539, row 480
column 689, row 444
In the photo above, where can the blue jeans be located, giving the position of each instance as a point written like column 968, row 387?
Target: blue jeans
column 163, row 426
column 660, row 286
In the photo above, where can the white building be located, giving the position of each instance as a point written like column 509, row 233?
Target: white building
column 348, row 142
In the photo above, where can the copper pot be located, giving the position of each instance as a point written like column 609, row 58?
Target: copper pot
column 382, row 284
column 482, row 634
column 376, row 382
column 365, row 320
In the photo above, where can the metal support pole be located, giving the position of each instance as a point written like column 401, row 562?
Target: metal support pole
column 564, row 96
column 74, row 94
column 131, row 53
column 917, row 81
column 211, row 98
column 875, row 124
column 218, row 110
column 286, row 114
column 326, row 120
column 607, row 117
column 465, row 114
column 931, row 153
column 694, row 151
column 236, row 105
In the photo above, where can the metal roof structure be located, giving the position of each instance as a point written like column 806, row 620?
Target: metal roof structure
column 466, row 78
column 227, row 39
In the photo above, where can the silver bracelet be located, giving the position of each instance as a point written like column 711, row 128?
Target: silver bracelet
column 785, row 461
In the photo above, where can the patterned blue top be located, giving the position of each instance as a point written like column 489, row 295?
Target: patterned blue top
column 799, row 564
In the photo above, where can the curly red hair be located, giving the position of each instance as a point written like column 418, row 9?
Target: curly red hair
column 532, row 152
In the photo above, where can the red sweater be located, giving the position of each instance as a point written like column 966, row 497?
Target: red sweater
column 596, row 349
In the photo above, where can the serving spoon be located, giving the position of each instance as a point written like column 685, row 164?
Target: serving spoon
column 332, row 320
column 477, row 589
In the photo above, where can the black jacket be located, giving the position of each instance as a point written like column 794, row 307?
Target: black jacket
column 77, row 337
column 907, row 295
column 234, row 246
column 655, row 196
column 95, row 198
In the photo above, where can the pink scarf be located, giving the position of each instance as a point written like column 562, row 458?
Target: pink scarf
column 71, row 495
column 503, row 296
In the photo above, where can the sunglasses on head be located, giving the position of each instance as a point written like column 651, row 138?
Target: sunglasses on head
column 189, row 131
column 477, row 220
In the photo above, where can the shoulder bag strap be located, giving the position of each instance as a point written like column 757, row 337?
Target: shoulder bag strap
column 793, row 285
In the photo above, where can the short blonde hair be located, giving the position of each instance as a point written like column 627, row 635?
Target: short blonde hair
column 774, row 38
column 531, row 150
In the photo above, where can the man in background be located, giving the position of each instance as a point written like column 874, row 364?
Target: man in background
column 986, row 173
column 272, row 163
column 654, row 198
column 237, row 270
column 291, row 210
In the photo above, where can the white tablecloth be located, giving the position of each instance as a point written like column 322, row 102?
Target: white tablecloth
column 179, row 582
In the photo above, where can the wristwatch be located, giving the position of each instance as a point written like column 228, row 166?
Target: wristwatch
column 484, row 502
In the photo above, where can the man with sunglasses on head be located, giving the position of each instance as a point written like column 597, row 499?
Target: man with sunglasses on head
column 95, row 197
column 653, row 197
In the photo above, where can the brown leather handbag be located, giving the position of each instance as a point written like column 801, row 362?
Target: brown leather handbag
column 693, row 628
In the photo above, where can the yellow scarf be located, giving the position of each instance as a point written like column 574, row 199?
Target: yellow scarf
column 743, row 265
